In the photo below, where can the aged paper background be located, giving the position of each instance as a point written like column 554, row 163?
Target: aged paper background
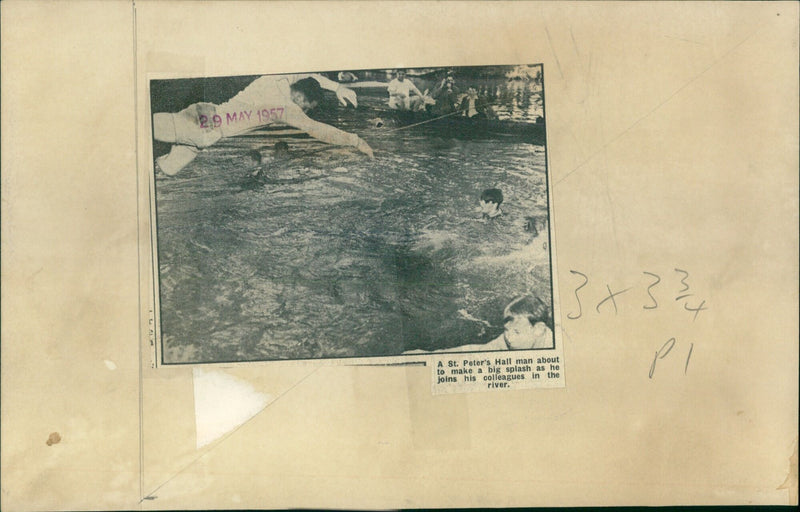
column 672, row 142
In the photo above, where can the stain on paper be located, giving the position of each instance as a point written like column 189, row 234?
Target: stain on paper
column 54, row 438
column 791, row 479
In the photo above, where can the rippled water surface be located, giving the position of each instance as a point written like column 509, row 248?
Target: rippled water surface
column 368, row 258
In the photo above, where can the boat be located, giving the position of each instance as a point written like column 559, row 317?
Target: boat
column 455, row 125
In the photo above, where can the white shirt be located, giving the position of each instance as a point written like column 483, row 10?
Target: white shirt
column 404, row 88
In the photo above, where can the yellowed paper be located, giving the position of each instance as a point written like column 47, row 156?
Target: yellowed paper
column 673, row 148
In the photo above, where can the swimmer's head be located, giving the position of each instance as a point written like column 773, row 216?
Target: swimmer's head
column 525, row 319
column 492, row 195
column 531, row 225
column 307, row 94
column 280, row 149
column 254, row 156
column 490, row 202
column 347, row 76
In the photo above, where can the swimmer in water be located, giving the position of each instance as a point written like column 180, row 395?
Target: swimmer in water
column 532, row 225
column 266, row 171
column 490, row 202
column 279, row 151
column 537, row 225
column 255, row 158
column 527, row 325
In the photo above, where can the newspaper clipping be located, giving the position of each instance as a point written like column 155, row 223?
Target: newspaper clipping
column 384, row 216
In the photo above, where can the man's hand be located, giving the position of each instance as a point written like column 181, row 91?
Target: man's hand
column 364, row 148
column 346, row 94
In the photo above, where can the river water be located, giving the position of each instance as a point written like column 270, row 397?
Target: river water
column 371, row 258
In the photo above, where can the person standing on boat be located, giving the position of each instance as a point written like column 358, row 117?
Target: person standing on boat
column 446, row 96
column 474, row 106
column 268, row 99
column 400, row 90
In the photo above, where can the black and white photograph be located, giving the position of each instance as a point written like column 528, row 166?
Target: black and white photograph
column 351, row 214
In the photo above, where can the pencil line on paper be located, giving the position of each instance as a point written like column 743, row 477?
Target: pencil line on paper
column 552, row 48
column 658, row 106
column 138, row 250
column 150, row 495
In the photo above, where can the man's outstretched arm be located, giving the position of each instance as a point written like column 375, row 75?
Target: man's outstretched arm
column 326, row 133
